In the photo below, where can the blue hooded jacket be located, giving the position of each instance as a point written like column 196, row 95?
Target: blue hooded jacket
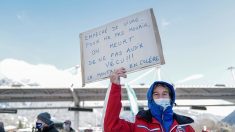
column 164, row 117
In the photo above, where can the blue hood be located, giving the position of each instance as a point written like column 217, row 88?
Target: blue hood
column 150, row 91
column 165, row 117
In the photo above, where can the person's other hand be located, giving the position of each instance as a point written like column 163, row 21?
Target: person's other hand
column 115, row 76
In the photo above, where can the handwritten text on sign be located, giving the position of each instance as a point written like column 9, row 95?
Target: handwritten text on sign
column 129, row 42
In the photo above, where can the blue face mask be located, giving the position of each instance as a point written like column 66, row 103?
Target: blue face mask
column 38, row 125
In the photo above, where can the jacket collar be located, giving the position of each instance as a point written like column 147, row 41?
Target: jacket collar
column 147, row 116
column 46, row 129
column 182, row 119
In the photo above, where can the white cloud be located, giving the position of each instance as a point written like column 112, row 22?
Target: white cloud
column 165, row 23
column 190, row 78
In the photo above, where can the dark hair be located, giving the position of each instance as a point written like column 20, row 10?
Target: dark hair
column 165, row 86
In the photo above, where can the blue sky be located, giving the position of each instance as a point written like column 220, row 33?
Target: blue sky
column 197, row 36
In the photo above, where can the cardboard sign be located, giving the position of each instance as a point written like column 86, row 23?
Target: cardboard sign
column 132, row 42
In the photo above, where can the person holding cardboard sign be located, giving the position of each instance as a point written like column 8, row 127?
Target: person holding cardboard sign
column 160, row 116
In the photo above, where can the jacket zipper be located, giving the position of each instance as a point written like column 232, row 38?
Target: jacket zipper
column 162, row 123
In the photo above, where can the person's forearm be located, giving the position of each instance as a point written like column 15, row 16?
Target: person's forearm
column 112, row 122
column 113, row 107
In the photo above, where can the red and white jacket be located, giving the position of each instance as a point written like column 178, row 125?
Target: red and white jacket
column 144, row 121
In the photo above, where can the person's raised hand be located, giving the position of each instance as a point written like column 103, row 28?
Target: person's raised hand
column 115, row 76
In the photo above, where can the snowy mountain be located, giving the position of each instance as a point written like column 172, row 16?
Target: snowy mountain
column 20, row 73
column 6, row 82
